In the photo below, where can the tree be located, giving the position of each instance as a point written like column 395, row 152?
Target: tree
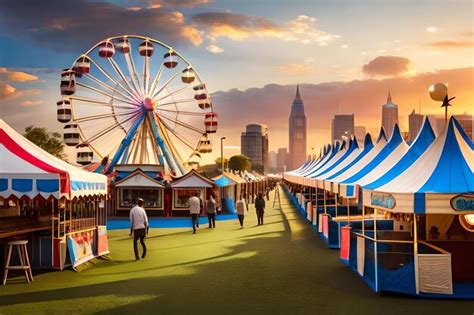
column 48, row 141
column 239, row 163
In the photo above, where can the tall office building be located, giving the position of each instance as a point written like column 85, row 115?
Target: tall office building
column 342, row 127
column 254, row 145
column 415, row 121
column 389, row 115
column 297, row 133
column 282, row 160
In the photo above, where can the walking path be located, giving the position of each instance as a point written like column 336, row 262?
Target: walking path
column 281, row 267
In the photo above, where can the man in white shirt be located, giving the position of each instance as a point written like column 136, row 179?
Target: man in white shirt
column 138, row 227
column 194, row 210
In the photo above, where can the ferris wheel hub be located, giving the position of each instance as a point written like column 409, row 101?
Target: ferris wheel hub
column 148, row 104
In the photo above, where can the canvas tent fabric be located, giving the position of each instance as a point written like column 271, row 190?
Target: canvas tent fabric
column 27, row 170
column 422, row 141
column 434, row 180
column 391, row 153
column 365, row 158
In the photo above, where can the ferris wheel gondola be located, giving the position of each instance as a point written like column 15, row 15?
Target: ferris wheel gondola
column 135, row 100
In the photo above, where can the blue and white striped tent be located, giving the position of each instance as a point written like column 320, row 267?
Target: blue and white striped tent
column 383, row 161
column 341, row 157
column 440, row 181
column 418, row 146
column 368, row 154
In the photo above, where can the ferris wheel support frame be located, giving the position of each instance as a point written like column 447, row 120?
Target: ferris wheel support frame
column 175, row 167
column 124, row 144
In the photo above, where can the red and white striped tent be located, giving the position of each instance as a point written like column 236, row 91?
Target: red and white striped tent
column 27, row 170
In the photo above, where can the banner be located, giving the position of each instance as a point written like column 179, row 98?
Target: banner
column 102, row 241
column 80, row 247
column 326, row 225
column 345, row 242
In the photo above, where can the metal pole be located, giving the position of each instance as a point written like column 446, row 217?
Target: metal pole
column 222, row 154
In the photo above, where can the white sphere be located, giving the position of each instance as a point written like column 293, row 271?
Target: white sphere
column 438, row 91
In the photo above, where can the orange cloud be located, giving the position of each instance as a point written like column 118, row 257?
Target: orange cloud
column 16, row 76
column 192, row 34
column 389, row 66
column 240, row 27
column 31, row 103
column 447, row 44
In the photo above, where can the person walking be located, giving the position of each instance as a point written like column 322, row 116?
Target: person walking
column 139, row 227
column 211, row 208
column 194, row 210
column 260, row 207
column 241, row 208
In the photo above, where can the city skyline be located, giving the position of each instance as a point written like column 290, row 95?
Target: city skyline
column 340, row 68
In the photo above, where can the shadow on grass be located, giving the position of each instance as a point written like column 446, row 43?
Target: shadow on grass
column 281, row 277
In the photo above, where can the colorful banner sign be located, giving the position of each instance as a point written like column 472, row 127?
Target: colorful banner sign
column 326, row 225
column 463, row 203
column 81, row 246
column 102, row 241
column 345, row 242
column 382, row 200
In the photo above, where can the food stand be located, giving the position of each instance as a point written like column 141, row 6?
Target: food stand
column 58, row 208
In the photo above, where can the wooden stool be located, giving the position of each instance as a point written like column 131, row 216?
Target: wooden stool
column 24, row 260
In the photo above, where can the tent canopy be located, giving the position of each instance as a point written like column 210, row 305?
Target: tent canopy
column 432, row 183
column 27, row 170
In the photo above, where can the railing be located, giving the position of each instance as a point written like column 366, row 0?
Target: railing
column 389, row 264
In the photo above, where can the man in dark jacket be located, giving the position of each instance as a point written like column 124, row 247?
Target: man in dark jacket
column 260, row 207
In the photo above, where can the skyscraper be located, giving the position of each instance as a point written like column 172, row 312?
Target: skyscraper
column 297, row 132
column 389, row 115
column 254, row 145
column 342, row 127
column 414, row 124
column 282, row 159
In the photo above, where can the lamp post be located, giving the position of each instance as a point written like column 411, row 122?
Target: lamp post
column 222, row 154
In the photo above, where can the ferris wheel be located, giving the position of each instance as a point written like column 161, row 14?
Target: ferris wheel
column 135, row 100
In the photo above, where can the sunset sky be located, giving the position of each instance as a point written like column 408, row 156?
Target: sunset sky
column 346, row 54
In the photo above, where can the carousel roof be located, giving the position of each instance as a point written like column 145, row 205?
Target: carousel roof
column 26, row 169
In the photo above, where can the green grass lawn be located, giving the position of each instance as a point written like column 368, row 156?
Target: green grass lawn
column 282, row 267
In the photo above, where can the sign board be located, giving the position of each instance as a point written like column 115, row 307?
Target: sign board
column 382, row 200
column 80, row 247
column 463, row 203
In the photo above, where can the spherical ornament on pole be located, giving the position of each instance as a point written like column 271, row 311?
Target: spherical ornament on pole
column 438, row 92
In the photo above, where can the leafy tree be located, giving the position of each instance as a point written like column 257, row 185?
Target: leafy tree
column 51, row 142
column 239, row 163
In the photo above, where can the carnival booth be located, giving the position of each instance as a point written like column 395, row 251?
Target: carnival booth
column 185, row 187
column 231, row 187
column 57, row 207
column 434, row 194
column 143, row 184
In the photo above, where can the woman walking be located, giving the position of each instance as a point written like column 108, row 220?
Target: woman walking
column 211, row 207
column 241, row 208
